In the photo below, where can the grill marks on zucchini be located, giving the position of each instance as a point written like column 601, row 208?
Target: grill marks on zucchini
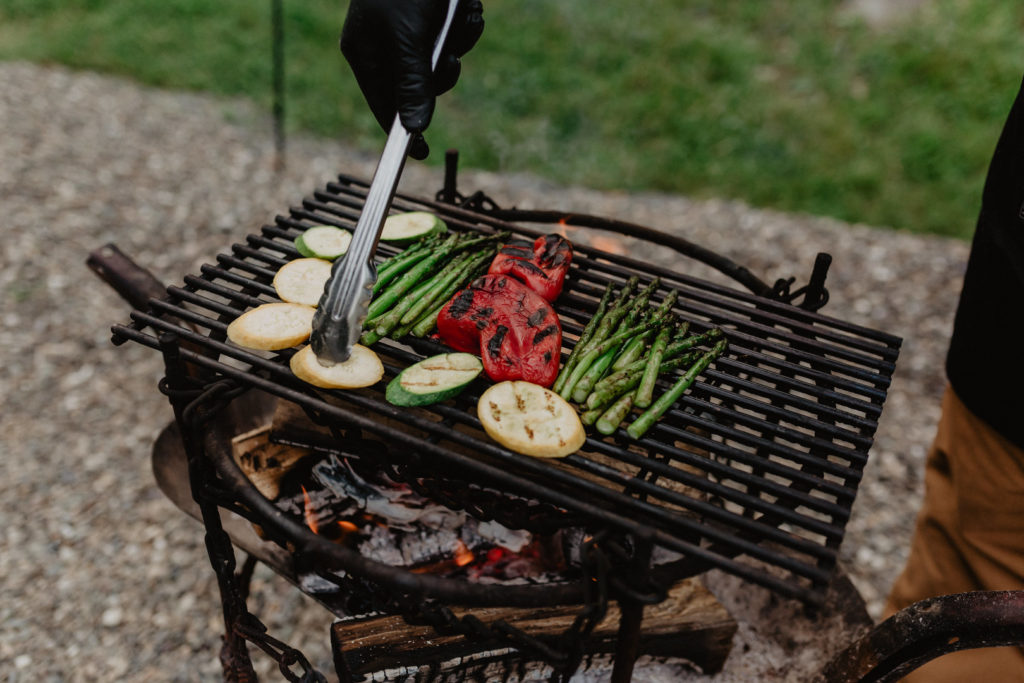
column 434, row 379
column 530, row 419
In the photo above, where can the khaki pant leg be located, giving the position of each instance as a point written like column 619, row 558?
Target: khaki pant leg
column 969, row 536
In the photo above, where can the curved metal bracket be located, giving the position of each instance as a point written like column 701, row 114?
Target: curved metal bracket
column 928, row 629
column 814, row 295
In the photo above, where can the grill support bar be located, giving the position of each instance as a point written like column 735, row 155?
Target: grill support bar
column 632, row 615
column 234, row 656
column 240, row 624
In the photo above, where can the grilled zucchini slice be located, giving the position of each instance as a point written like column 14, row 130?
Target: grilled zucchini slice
column 271, row 327
column 302, row 281
column 323, row 241
column 362, row 369
column 405, row 228
column 434, row 379
column 529, row 419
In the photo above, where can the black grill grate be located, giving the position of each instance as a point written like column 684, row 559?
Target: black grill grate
column 762, row 457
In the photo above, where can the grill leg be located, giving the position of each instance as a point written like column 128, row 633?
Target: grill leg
column 234, row 655
column 631, row 616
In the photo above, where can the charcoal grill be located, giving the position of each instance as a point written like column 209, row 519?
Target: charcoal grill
column 761, row 459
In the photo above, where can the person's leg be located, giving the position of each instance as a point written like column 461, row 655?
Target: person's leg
column 969, row 535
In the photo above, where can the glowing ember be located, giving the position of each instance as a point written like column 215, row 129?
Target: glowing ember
column 347, row 526
column 463, row 555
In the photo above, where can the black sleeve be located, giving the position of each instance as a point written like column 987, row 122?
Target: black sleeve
column 985, row 363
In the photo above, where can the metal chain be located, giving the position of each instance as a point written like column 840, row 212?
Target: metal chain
column 253, row 630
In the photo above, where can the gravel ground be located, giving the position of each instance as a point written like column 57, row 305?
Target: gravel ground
column 103, row 578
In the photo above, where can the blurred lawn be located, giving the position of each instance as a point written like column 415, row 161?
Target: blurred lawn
column 782, row 103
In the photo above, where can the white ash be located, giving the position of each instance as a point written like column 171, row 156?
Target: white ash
column 511, row 539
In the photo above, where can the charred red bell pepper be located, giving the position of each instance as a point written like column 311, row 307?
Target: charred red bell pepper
column 515, row 331
column 542, row 265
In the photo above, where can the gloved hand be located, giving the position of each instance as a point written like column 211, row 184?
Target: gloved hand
column 388, row 44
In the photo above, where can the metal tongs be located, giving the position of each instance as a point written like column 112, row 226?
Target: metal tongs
column 338, row 322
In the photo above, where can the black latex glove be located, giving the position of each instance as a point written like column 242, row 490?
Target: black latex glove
column 388, row 44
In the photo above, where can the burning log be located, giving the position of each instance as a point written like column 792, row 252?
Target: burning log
column 263, row 462
column 691, row 624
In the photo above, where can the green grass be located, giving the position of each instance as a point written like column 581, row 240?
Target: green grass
column 782, row 103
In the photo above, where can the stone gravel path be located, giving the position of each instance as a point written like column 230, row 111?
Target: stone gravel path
column 103, row 579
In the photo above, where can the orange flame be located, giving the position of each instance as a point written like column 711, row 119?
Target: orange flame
column 463, row 555
column 307, row 512
column 609, row 244
column 347, row 526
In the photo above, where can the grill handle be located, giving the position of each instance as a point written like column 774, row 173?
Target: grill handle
column 132, row 282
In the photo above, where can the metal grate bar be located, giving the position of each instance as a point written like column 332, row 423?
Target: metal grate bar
column 767, row 446
column 464, row 418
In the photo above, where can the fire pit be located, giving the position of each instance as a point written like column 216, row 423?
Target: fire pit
column 756, row 467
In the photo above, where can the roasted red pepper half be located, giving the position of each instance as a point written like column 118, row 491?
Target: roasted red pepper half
column 542, row 265
column 515, row 331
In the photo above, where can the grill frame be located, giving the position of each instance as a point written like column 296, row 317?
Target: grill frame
column 818, row 347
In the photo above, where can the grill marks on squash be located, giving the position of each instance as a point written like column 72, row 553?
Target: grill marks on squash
column 530, row 419
column 433, row 379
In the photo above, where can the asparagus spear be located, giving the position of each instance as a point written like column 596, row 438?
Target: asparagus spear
column 590, row 416
column 693, row 340
column 615, row 313
column 389, row 320
column 613, row 417
column 632, row 351
column 623, row 382
column 604, row 327
column 671, row 351
column 593, row 374
column 596, row 350
column 644, row 393
column 442, row 292
column 403, row 261
column 641, row 424
column 585, row 336
column 411, row 278
column 623, row 320
column 638, row 306
column 468, row 241
column 423, row 326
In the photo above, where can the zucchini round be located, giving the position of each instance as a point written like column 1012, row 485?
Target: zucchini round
column 405, row 228
column 529, row 419
column 362, row 369
column 302, row 281
column 433, row 379
column 271, row 327
column 323, row 241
